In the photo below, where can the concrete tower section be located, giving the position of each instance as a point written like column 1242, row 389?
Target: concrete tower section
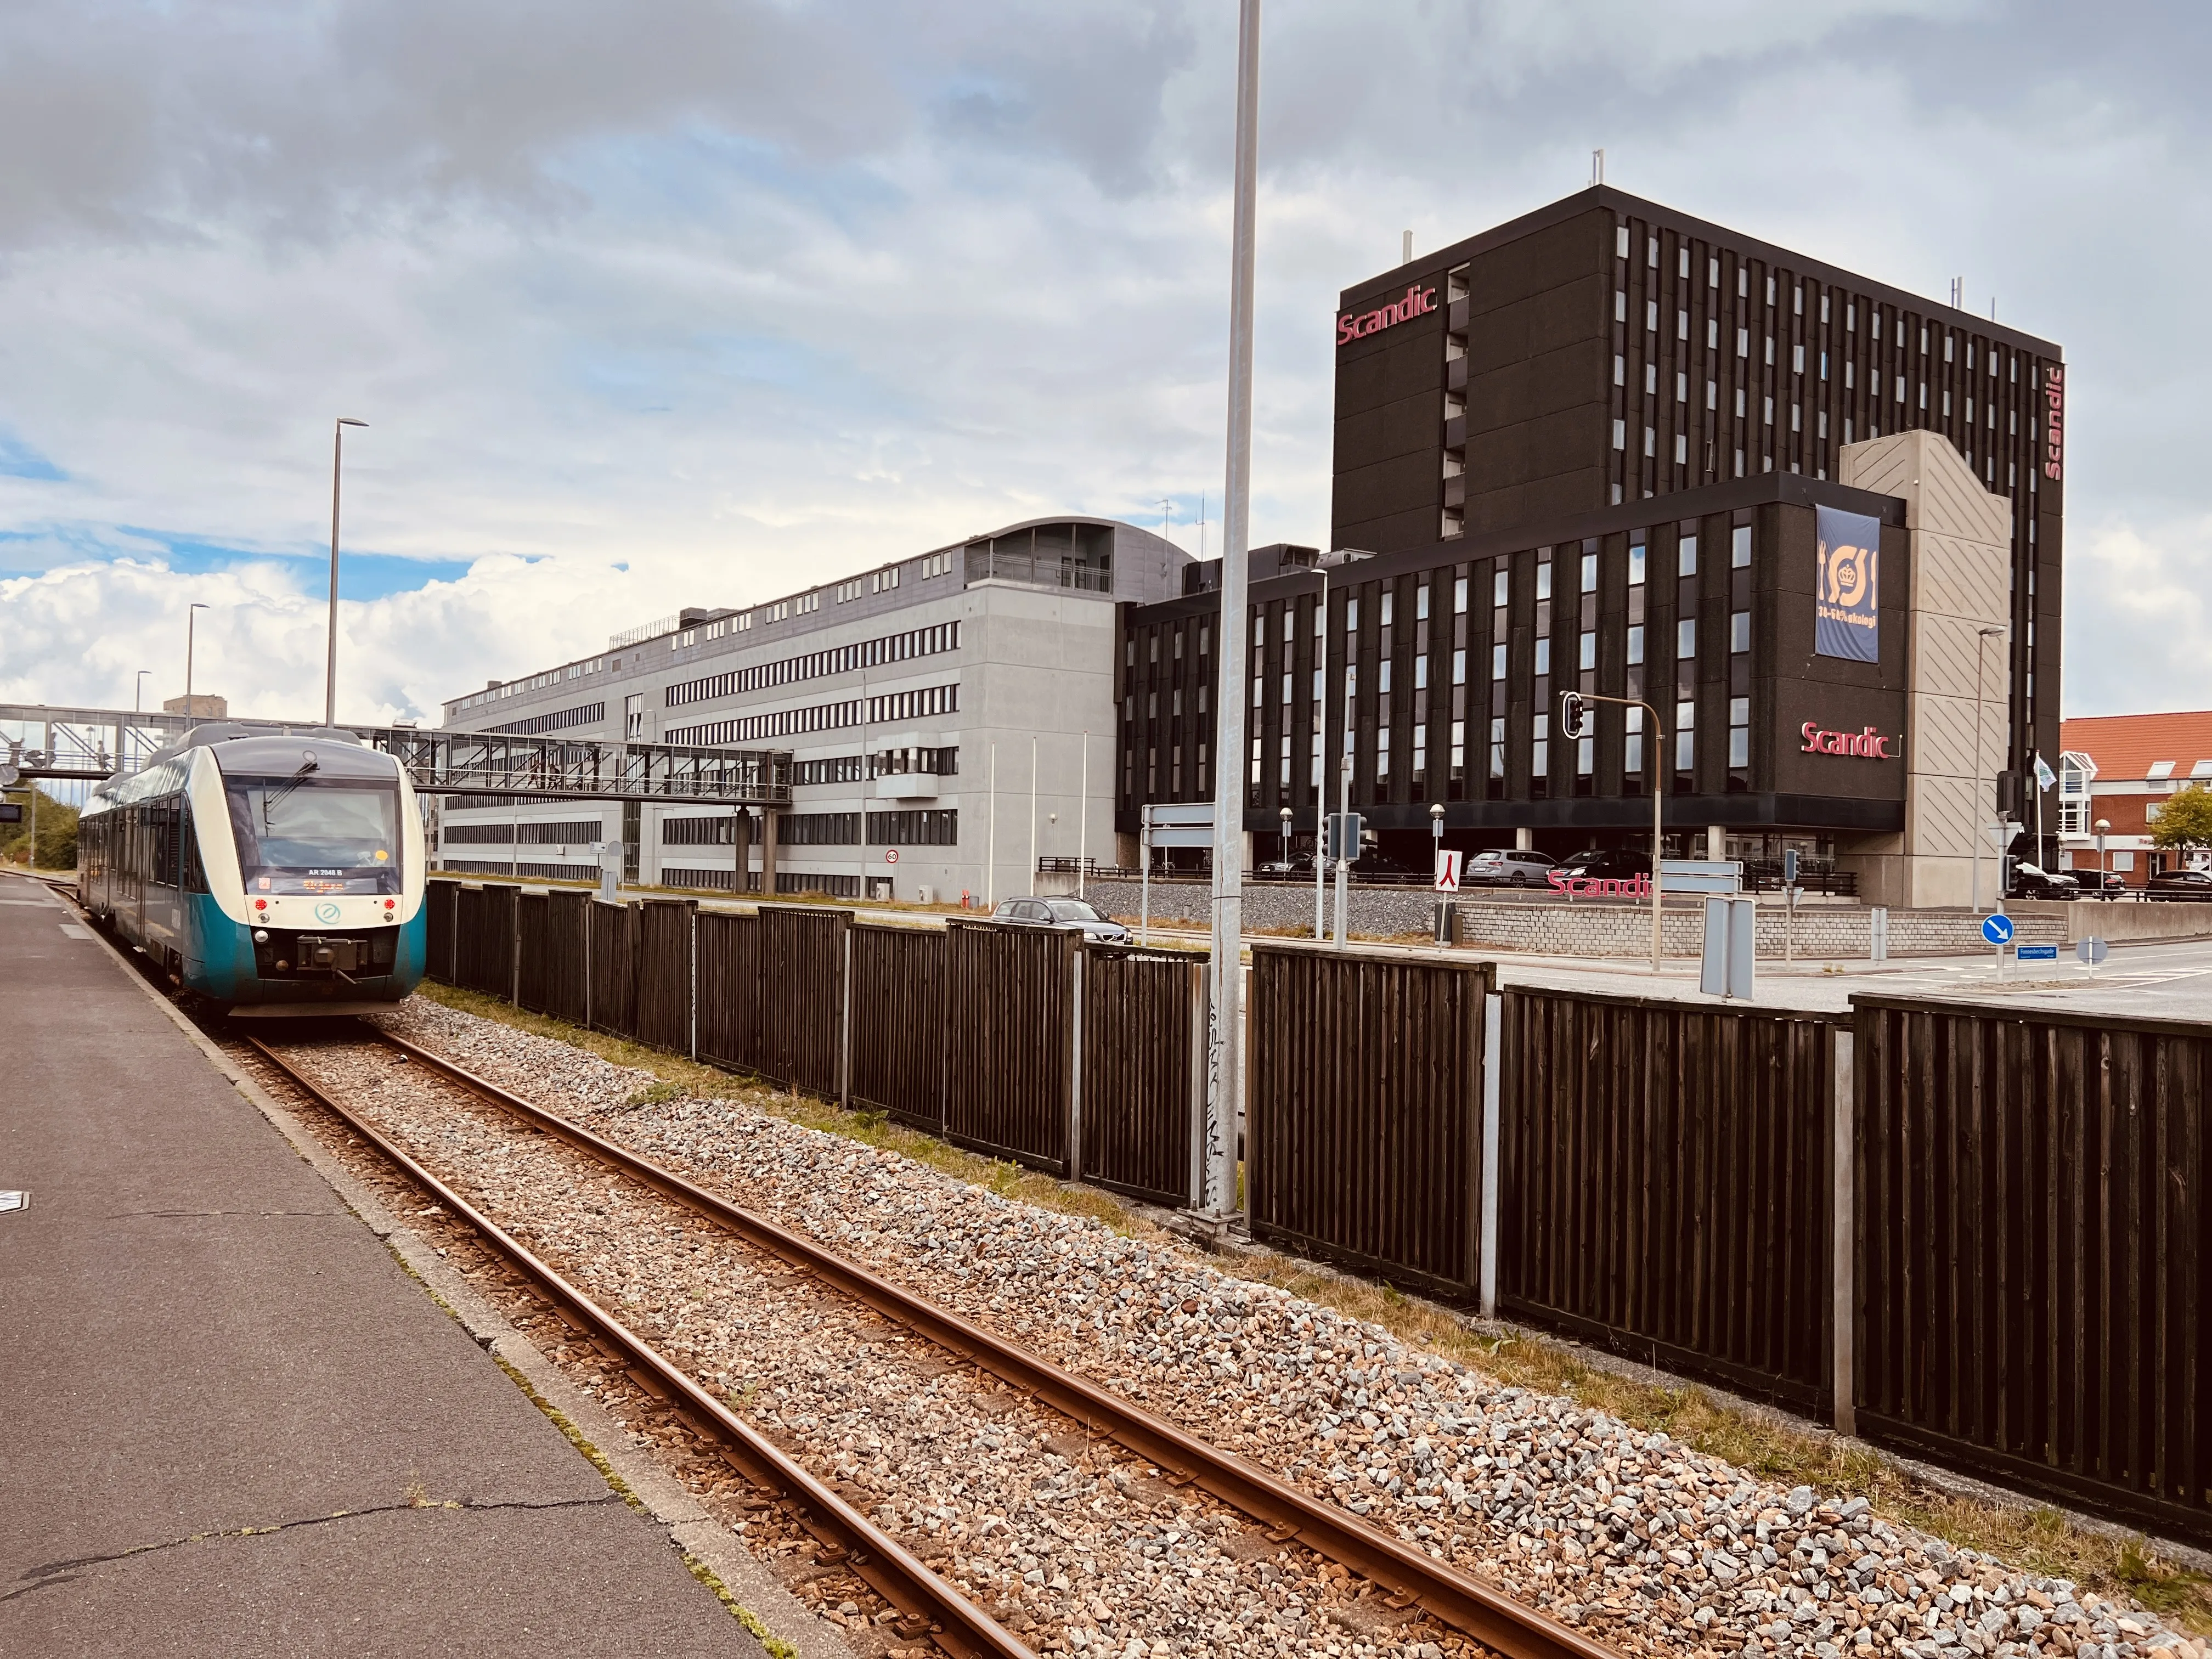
column 1960, row 570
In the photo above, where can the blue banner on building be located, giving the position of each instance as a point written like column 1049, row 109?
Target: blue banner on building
column 1847, row 587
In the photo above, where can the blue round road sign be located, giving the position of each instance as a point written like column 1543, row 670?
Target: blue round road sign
column 1997, row 929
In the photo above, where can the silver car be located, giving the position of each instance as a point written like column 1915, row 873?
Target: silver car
column 1060, row 913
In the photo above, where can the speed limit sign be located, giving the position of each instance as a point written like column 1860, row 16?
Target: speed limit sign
column 890, row 855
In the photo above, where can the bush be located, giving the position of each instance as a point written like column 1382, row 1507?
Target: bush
column 57, row 848
column 2186, row 819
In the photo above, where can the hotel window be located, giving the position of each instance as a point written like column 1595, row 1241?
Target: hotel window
column 1685, row 638
column 1459, row 596
column 1383, row 755
column 1543, row 655
column 1420, row 754
column 1632, row 753
column 1586, row 653
column 1498, row 750
column 1258, row 760
column 1686, row 737
column 1585, row 757
column 1739, row 733
column 1540, row 746
column 1635, row 645
column 1458, row 751
column 1497, row 661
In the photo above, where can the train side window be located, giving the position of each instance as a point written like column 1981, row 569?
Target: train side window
column 195, row 879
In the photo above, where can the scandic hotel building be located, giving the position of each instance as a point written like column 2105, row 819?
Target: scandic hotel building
column 1813, row 521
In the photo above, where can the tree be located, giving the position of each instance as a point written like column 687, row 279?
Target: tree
column 2185, row 820
column 57, row 848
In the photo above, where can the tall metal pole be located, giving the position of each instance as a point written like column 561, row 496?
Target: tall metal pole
column 1225, row 1100
column 330, row 665
column 1344, row 793
column 190, row 618
column 1033, row 810
column 991, row 838
column 1083, row 822
column 1658, row 837
column 1983, row 636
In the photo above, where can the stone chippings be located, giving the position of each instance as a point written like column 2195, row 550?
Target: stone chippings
column 1647, row 1544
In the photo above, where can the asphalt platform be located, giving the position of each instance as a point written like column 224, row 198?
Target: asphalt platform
column 232, row 1423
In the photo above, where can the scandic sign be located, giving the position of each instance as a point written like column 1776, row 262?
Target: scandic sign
column 1866, row 741
column 1357, row 324
column 1601, row 886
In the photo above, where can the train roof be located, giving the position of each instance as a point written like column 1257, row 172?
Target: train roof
column 280, row 756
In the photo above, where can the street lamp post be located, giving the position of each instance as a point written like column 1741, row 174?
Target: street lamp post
column 1571, row 726
column 190, row 619
column 1284, row 814
column 138, row 692
column 1321, row 748
column 1983, row 636
column 330, row 666
column 2104, row 827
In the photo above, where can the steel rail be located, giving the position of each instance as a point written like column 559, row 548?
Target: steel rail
column 919, row 1595
column 1459, row 1599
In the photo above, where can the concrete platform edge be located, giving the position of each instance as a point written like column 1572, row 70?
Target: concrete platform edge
column 694, row 1533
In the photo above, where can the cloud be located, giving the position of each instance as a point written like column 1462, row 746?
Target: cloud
column 703, row 300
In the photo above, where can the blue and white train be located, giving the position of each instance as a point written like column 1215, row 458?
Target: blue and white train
column 267, row 874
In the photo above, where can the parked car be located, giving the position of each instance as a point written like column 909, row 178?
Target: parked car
column 2101, row 884
column 1375, row 865
column 1290, row 869
column 2179, row 885
column 2032, row 881
column 1060, row 913
column 1607, row 864
column 1506, row 866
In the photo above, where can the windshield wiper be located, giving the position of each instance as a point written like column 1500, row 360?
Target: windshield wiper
column 311, row 764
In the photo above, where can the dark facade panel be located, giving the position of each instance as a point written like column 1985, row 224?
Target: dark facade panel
column 1404, row 426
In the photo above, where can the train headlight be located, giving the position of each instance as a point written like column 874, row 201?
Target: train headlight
column 261, row 936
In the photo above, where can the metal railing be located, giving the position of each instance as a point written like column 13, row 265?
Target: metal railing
column 74, row 743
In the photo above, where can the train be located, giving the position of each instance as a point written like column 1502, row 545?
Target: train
column 265, row 875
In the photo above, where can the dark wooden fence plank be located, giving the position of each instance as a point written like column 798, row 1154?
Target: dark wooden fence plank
column 802, row 996
column 567, row 972
column 1008, row 1073
column 1664, row 1179
column 484, row 941
column 613, row 953
column 1363, row 1117
column 729, row 990
column 531, row 960
column 1143, row 1011
column 438, row 901
column 2032, row 1237
column 663, row 974
column 899, row 1024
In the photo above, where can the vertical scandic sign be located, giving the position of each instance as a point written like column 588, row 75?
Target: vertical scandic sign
column 1847, row 587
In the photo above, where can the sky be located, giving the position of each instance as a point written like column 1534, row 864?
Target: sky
column 703, row 302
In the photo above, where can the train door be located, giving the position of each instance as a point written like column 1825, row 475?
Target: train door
column 161, row 872
column 133, row 907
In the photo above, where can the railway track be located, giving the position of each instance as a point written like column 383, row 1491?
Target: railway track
column 1403, row 1578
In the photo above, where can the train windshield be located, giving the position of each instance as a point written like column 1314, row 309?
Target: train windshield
column 299, row 834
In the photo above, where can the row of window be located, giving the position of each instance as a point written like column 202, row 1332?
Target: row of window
column 573, row 833
column 584, row 714
column 930, row 826
column 922, row 704
column 814, row 665
column 889, row 763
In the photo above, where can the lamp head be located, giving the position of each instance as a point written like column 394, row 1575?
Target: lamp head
column 348, row 419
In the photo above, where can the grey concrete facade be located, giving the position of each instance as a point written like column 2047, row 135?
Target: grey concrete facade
column 935, row 707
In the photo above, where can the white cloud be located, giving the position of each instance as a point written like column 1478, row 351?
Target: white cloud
column 742, row 295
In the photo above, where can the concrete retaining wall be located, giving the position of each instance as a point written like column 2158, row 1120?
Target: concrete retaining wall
column 2121, row 918
column 1552, row 927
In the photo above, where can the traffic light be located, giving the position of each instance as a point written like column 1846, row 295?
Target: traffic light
column 1573, row 712
column 1342, row 840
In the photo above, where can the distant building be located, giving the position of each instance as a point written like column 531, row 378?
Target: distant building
column 200, row 706
column 935, row 708
column 1604, row 448
column 2121, row 767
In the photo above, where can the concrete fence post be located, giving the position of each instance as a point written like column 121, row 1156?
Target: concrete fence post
column 693, row 979
column 1844, row 1226
column 845, row 1025
column 1075, row 976
column 1493, row 1059
column 1195, row 991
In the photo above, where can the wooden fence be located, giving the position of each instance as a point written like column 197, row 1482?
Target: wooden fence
column 898, row 1049
column 1009, row 1037
column 2034, row 1232
column 1979, row 1234
column 1363, row 1143
column 1143, row 1070
column 1664, row 1180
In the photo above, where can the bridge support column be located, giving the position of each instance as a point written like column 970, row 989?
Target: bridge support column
column 768, row 852
column 741, row 837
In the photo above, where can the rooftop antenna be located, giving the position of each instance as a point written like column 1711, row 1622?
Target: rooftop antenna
column 1201, row 525
column 1958, row 292
column 1597, row 167
column 1407, row 257
column 1993, row 308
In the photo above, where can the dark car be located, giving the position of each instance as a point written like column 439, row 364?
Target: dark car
column 2032, row 881
column 1507, row 867
column 2179, row 885
column 2101, row 884
column 1289, row 869
column 1607, row 864
column 1060, row 913
column 1374, row 864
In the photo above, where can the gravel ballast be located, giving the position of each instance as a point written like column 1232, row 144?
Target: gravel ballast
column 1649, row 1546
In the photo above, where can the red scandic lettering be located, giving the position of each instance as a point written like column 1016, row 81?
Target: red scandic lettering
column 1559, row 882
